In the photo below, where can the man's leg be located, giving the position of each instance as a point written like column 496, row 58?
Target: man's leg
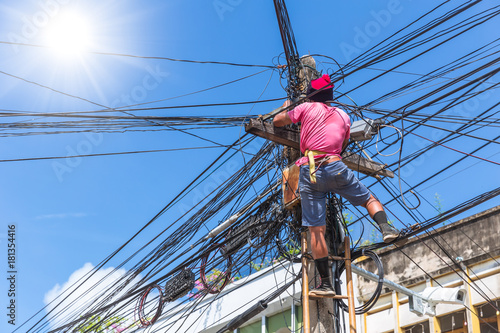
column 314, row 216
column 318, row 242
column 377, row 213
column 349, row 187
column 320, row 255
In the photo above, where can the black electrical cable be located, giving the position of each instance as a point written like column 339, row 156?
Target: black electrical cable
column 366, row 306
column 107, row 154
column 156, row 261
column 257, row 159
column 149, row 57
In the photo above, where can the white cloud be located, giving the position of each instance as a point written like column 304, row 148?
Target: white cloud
column 85, row 294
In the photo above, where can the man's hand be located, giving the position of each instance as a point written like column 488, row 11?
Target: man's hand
column 282, row 118
column 286, row 103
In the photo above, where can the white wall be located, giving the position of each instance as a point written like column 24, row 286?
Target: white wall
column 215, row 311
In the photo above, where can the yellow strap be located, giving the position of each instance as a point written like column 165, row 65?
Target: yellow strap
column 312, row 165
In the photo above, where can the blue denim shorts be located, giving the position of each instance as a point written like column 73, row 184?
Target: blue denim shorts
column 333, row 177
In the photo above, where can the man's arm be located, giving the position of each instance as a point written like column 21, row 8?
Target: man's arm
column 282, row 119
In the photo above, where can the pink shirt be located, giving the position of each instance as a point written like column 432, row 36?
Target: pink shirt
column 324, row 128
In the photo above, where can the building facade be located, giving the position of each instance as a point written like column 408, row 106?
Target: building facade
column 462, row 254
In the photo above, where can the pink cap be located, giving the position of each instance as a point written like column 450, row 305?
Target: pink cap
column 323, row 82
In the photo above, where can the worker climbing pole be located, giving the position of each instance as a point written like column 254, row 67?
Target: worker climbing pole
column 300, row 72
column 321, row 174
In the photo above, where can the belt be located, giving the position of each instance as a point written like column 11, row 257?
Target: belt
column 312, row 163
column 326, row 160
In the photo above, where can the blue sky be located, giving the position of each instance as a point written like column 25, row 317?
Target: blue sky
column 77, row 211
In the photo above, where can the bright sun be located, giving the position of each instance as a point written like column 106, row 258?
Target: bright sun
column 68, row 34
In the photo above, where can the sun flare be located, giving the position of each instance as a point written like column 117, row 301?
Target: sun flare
column 69, row 34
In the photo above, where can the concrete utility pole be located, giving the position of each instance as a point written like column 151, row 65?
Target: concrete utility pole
column 320, row 310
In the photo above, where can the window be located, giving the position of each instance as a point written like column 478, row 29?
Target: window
column 455, row 322
column 422, row 327
column 252, row 328
column 488, row 318
column 279, row 321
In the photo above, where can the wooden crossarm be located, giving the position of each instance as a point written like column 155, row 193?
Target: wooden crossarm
column 291, row 138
